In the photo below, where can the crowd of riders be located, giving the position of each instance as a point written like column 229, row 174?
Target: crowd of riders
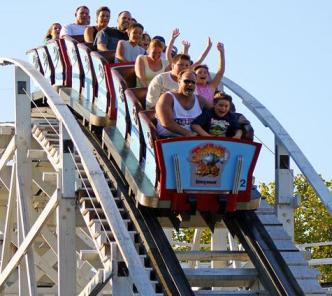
column 186, row 99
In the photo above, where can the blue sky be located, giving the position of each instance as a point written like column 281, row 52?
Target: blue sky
column 280, row 51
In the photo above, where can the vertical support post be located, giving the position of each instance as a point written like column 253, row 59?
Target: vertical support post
column 196, row 244
column 66, row 221
column 27, row 280
column 218, row 242
column 284, row 188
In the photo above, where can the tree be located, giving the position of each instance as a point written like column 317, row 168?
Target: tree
column 312, row 221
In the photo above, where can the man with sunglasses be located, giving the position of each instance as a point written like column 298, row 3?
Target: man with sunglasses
column 166, row 81
column 175, row 110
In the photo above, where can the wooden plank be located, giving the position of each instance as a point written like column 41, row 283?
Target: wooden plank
column 66, row 220
column 294, row 258
column 7, row 153
column 212, row 255
column 11, row 209
column 277, row 232
column 304, row 272
column 283, row 245
column 310, row 286
column 269, row 219
column 46, row 187
column 231, row 293
column 226, row 277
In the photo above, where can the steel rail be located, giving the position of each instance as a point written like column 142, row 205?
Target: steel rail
column 268, row 120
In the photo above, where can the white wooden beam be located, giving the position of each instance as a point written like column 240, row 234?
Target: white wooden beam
column 11, row 209
column 66, row 221
column 24, row 226
column 95, row 176
column 23, row 170
column 5, row 177
column 37, row 154
column 35, row 229
column 7, row 153
column 46, row 187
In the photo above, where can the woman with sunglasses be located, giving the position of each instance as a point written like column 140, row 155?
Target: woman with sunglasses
column 204, row 86
column 175, row 110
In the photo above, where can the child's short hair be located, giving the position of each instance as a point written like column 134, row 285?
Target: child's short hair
column 222, row 96
column 201, row 67
column 179, row 57
column 134, row 26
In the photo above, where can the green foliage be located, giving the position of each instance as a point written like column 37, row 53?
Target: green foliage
column 312, row 221
column 187, row 234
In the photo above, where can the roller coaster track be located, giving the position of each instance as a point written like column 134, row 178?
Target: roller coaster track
column 121, row 248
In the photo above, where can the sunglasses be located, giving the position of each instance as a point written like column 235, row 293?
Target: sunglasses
column 188, row 81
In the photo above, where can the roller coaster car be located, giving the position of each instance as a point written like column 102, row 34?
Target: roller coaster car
column 208, row 174
column 182, row 174
column 214, row 174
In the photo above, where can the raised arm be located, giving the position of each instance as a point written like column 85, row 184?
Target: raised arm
column 119, row 54
column 164, row 113
column 185, row 46
column 221, row 67
column 140, row 70
column 175, row 34
column 203, row 55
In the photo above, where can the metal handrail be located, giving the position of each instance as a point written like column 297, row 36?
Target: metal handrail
column 94, row 173
column 268, row 120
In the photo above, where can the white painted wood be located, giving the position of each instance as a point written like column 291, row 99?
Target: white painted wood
column 50, row 177
column 212, row 255
column 5, row 177
column 95, row 176
column 217, row 277
column 23, row 222
column 281, row 134
column 35, row 229
column 284, row 191
column 45, row 264
column 37, row 154
column 23, row 168
column 233, row 246
column 38, row 179
column 7, row 154
column 219, row 242
column 121, row 285
column 196, row 245
column 11, row 209
column 66, row 220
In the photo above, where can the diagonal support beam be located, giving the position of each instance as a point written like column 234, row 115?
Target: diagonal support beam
column 11, row 209
column 34, row 231
column 7, row 153
column 24, row 227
